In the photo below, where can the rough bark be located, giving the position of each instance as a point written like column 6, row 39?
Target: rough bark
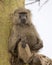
column 6, row 7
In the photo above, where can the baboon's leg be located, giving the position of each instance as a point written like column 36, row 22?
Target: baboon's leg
column 35, row 61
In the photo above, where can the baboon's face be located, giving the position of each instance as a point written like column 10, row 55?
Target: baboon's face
column 23, row 17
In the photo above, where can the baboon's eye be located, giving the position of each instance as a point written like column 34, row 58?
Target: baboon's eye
column 19, row 16
column 22, row 14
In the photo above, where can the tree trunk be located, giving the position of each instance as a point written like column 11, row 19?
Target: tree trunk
column 6, row 7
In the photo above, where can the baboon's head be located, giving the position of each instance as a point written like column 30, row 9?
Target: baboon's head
column 22, row 16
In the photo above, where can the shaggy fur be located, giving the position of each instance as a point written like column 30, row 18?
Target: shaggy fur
column 23, row 30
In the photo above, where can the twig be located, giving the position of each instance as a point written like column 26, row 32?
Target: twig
column 33, row 2
column 43, row 4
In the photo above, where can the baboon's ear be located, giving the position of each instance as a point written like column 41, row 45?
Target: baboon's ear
column 11, row 16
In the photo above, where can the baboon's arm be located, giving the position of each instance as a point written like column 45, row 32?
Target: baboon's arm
column 12, row 40
column 37, row 35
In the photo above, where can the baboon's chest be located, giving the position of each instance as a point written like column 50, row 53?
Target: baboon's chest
column 24, row 30
column 29, row 34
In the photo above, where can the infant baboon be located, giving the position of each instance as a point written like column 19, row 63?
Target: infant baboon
column 23, row 29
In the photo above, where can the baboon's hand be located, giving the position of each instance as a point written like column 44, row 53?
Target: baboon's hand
column 23, row 44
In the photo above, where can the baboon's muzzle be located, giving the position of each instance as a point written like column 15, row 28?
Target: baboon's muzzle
column 23, row 20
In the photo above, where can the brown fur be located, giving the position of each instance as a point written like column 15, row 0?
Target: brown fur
column 26, row 32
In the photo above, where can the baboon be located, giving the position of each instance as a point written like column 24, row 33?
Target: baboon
column 23, row 29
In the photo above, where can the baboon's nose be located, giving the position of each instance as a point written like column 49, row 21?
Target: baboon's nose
column 23, row 21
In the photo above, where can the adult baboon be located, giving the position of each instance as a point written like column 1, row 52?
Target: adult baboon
column 23, row 30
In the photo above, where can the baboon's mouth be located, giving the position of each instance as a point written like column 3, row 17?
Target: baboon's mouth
column 23, row 21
